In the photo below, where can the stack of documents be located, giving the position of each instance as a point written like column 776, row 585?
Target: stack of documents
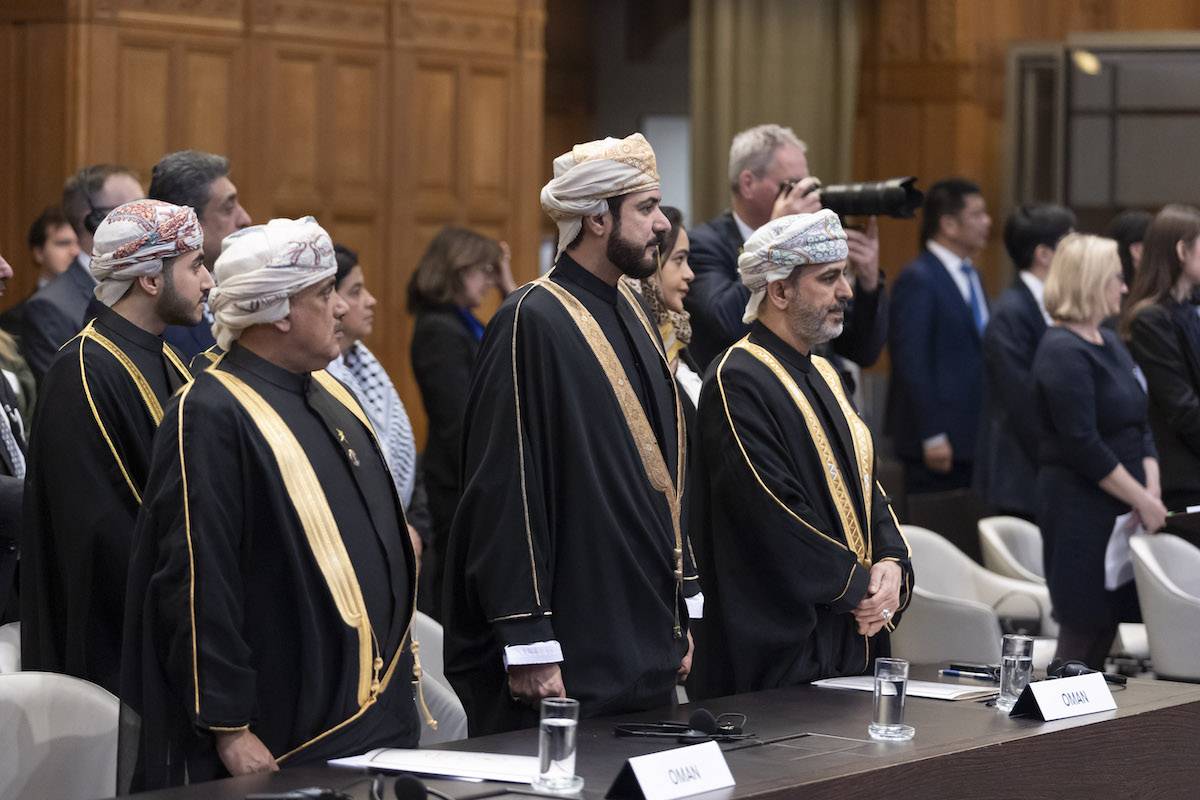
column 930, row 689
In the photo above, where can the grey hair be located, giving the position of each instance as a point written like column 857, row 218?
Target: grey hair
column 754, row 149
column 185, row 178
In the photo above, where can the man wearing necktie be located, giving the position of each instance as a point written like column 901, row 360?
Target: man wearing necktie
column 939, row 311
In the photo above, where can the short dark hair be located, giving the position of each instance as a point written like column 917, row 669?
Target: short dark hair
column 80, row 190
column 1128, row 228
column 944, row 199
column 1032, row 224
column 185, row 178
column 438, row 276
column 346, row 259
column 52, row 217
column 614, row 208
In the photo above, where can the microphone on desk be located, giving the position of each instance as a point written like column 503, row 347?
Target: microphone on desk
column 410, row 787
column 1069, row 669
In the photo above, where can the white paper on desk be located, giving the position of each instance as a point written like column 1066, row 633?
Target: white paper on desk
column 447, row 763
column 1118, row 558
column 931, row 689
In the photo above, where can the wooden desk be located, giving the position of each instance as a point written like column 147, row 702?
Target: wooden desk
column 1149, row 747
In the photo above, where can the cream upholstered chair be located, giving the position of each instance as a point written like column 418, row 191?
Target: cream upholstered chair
column 443, row 703
column 58, row 738
column 10, row 647
column 1167, row 571
column 1012, row 547
column 953, row 614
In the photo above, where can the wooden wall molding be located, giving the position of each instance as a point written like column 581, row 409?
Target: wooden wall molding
column 363, row 21
column 419, row 25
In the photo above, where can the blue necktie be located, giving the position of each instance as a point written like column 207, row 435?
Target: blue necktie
column 973, row 298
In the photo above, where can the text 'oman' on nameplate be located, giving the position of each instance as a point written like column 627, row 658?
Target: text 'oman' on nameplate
column 671, row 774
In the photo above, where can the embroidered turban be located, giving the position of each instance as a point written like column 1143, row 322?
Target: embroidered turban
column 260, row 267
column 134, row 239
column 773, row 251
column 590, row 174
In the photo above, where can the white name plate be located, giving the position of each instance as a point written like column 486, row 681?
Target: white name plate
column 1065, row 697
column 671, row 774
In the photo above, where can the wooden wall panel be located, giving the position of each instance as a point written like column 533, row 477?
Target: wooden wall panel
column 385, row 119
column 143, row 78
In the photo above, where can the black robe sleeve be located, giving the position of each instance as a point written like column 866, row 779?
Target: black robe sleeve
column 87, row 460
column 502, row 520
column 194, row 522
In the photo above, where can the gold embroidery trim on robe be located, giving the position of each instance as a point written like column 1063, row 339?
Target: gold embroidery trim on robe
column 321, row 531
column 153, row 407
column 860, row 434
column 834, row 480
column 644, row 439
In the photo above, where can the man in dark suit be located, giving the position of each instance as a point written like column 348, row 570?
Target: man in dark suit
column 201, row 181
column 1006, row 462
column 12, row 481
column 761, row 161
column 56, row 312
column 939, row 311
column 53, row 245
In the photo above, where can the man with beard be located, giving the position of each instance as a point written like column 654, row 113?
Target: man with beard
column 89, row 451
column 805, row 569
column 565, row 566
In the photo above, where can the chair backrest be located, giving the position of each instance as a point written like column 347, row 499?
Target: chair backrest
column 428, row 631
column 447, row 710
column 1013, row 547
column 58, row 738
column 939, row 566
column 1161, row 563
column 937, row 629
column 10, row 647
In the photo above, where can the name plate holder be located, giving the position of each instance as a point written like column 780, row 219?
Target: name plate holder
column 1062, row 698
column 671, row 774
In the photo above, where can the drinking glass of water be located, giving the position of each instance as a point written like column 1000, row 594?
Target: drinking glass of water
column 891, row 682
column 1016, row 667
column 556, row 747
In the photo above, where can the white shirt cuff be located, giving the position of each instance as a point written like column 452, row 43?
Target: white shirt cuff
column 934, row 441
column 520, row 655
column 695, row 605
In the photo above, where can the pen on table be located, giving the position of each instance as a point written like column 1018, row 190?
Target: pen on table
column 962, row 673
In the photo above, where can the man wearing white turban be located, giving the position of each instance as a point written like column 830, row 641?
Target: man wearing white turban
column 566, row 562
column 813, row 570
column 272, row 581
column 89, row 452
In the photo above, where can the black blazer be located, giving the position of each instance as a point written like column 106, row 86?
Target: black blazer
column 717, row 300
column 1006, row 460
column 1165, row 342
column 54, row 314
column 443, row 359
column 937, row 362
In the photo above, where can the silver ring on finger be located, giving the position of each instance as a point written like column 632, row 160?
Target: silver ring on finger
column 886, row 614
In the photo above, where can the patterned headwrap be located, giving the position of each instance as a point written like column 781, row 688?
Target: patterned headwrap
column 260, row 267
column 773, row 251
column 590, row 174
column 134, row 239
column 674, row 327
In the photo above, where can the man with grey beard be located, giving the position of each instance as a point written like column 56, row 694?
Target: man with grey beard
column 803, row 566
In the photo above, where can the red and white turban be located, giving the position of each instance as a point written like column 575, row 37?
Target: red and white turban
column 134, row 239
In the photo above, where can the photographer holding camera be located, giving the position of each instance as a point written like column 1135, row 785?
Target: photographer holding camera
column 768, row 176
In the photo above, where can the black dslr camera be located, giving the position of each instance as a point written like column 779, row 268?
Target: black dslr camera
column 895, row 197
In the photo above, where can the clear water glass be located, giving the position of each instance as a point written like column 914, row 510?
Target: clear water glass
column 556, row 747
column 1016, row 668
column 891, row 684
